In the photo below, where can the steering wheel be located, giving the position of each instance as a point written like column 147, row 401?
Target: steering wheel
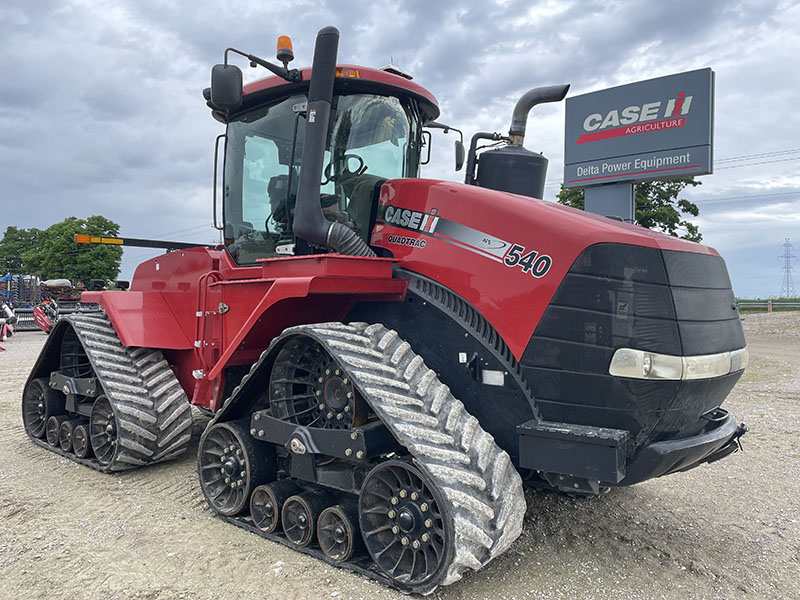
column 338, row 170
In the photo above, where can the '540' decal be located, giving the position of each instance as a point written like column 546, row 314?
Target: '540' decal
column 531, row 262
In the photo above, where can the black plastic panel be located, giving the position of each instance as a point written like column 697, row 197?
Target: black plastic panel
column 622, row 261
column 596, row 292
column 687, row 269
column 710, row 337
column 698, row 304
column 694, row 398
column 610, row 331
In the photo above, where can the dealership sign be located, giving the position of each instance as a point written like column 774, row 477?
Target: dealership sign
column 654, row 129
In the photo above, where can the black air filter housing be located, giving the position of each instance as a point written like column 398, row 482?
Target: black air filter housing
column 513, row 169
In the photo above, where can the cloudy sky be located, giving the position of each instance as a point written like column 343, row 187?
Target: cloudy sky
column 101, row 109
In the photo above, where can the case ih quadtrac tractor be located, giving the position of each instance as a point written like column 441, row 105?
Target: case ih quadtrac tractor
column 387, row 358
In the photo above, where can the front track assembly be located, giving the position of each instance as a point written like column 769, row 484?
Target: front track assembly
column 413, row 492
column 102, row 404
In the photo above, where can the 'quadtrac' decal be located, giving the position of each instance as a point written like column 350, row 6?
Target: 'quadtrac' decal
column 473, row 240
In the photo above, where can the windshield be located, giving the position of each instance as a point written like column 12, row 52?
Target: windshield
column 370, row 139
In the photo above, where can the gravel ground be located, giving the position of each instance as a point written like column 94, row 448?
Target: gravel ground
column 728, row 530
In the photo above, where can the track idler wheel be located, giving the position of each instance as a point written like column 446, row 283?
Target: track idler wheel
column 65, row 433
column 337, row 532
column 404, row 526
column 103, row 430
column 39, row 403
column 54, row 428
column 231, row 464
column 80, row 441
column 267, row 501
column 299, row 516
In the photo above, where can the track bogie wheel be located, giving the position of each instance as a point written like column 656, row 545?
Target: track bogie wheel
column 80, row 441
column 39, row 403
column 405, row 526
column 231, row 464
column 103, row 430
column 54, row 428
column 299, row 516
column 267, row 501
column 65, row 434
column 337, row 532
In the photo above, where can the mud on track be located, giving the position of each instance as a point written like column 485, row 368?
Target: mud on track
column 730, row 530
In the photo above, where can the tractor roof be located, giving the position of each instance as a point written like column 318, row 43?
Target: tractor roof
column 349, row 78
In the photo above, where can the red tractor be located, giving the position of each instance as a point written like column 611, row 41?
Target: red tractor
column 388, row 358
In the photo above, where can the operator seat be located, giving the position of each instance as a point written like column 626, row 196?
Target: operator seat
column 362, row 202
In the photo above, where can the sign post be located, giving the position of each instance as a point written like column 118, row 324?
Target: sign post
column 656, row 129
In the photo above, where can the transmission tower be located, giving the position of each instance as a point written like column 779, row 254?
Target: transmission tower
column 787, row 287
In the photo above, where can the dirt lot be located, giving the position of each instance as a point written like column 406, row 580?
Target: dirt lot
column 729, row 530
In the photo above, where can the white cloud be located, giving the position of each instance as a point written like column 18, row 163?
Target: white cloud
column 101, row 112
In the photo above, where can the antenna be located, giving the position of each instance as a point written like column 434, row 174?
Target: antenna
column 787, row 287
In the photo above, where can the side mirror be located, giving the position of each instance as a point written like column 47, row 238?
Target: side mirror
column 459, row 154
column 121, row 284
column 97, row 284
column 226, row 87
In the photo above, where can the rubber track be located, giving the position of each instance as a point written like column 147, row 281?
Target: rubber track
column 476, row 478
column 153, row 414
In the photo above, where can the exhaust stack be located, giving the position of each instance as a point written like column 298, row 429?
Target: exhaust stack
column 540, row 95
column 309, row 222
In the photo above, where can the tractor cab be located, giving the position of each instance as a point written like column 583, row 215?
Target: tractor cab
column 374, row 134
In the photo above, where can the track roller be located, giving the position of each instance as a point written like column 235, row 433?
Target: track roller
column 337, row 532
column 65, row 433
column 80, row 441
column 54, row 428
column 231, row 464
column 299, row 516
column 267, row 501
column 39, row 403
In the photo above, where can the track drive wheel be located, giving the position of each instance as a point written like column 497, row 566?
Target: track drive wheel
column 405, row 525
column 231, row 464
column 39, row 403
column 103, row 430
column 308, row 387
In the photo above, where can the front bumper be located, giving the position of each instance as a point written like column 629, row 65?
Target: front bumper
column 663, row 458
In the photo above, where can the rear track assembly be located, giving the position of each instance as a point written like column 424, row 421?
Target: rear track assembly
column 140, row 416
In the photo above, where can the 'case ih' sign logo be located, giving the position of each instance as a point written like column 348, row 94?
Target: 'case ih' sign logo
column 636, row 119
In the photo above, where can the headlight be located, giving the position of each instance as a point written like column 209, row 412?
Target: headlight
column 639, row 364
column 645, row 365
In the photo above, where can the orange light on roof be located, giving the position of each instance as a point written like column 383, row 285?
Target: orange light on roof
column 351, row 73
column 284, row 43
column 82, row 238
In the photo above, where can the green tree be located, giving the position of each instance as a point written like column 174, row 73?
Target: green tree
column 58, row 256
column 657, row 206
column 13, row 244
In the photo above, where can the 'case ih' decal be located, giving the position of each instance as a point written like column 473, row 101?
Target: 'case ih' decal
column 473, row 240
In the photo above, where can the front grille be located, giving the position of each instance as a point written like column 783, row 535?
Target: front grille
column 623, row 296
